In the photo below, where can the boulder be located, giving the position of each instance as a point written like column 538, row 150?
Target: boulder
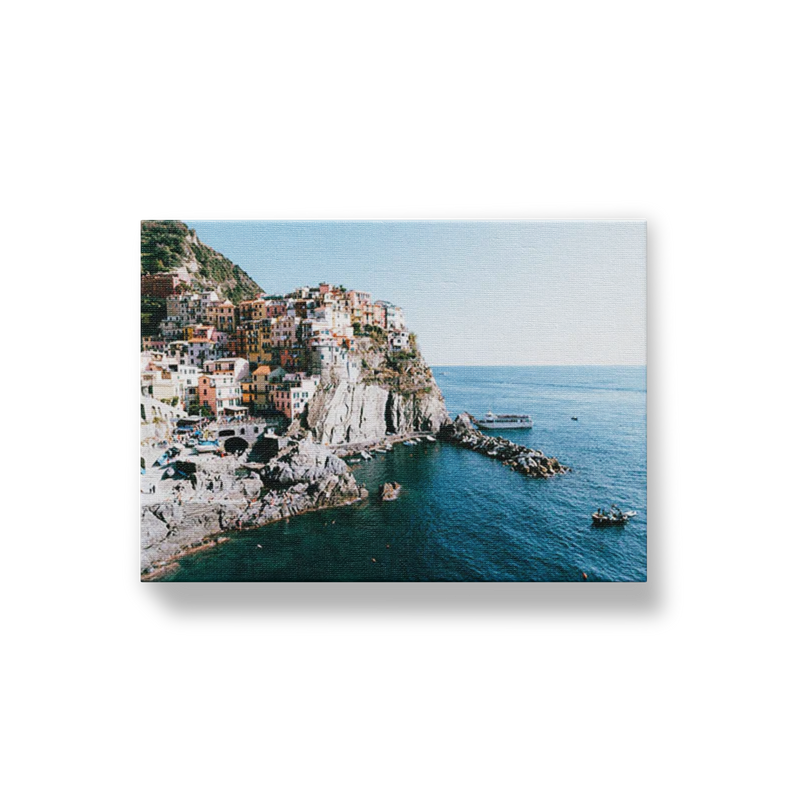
column 390, row 491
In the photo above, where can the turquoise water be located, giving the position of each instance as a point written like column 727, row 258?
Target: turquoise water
column 462, row 516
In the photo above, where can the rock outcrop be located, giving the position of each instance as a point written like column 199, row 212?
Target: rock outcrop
column 387, row 395
column 521, row 459
column 390, row 491
column 224, row 495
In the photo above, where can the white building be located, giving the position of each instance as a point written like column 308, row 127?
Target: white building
column 187, row 380
column 238, row 367
column 202, row 350
column 161, row 385
column 395, row 319
column 341, row 323
column 399, row 340
column 180, row 351
column 228, row 393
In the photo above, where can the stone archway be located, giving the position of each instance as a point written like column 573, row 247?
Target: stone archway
column 236, row 445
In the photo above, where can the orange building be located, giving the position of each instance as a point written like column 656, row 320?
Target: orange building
column 252, row 310
column 207, row 393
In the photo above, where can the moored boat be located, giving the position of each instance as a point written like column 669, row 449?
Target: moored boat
column 613, row 517
column 492, row 421
column 208, row 446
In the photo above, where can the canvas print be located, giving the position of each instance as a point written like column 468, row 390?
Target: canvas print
column 393, row 401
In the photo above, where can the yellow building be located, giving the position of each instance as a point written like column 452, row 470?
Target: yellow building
column 248, row 394
column 261, row 399
column 221, row 315
column 252, row 310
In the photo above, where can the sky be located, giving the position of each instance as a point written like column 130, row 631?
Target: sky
column 532, row 292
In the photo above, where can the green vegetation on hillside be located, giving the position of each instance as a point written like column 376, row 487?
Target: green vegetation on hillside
column 234, row 284
column 168, row 244
column 163, row 245
column 154, row 309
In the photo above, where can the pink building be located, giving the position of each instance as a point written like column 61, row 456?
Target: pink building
column 207, row 393
column 379, row 315
column 291, row 395
column 275, row 308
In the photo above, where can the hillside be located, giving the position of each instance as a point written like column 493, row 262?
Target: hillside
column 170, row 246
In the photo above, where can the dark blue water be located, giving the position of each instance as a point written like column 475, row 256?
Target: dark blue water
column 462, row 516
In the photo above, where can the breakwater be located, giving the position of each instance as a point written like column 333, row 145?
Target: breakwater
column 519, row 458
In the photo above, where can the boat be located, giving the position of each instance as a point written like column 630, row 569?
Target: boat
column 574, row 419
column 365, row 455
column 208, row 446
column 409, row 444
column 613, row 517
column 492, row 421
column 168, row 456
column 430, row 438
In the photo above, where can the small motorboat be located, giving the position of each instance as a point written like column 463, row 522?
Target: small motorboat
column 574, row 419
column 207, row 446
column 409, row 444
column 430, row 438
column 613, row 517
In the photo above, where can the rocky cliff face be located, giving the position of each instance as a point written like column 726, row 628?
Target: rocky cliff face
column 389, row 394
column 228, row 494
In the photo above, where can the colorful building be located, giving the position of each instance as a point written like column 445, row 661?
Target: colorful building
column 221, row 315
column 283, row 332
column 250, row 310
column 290, row 396
column 236, row 367
column 207, row 393
column 261, row 394
column 276, row 308
column 220, row 394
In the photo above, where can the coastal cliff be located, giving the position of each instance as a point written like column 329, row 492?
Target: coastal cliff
column 224, row 494
column 381, row 394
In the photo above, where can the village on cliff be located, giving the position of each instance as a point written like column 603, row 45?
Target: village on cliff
column 263, row 357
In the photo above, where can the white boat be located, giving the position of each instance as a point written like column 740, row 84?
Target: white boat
column 430, row 438
column 492, row 421
column 207, row 447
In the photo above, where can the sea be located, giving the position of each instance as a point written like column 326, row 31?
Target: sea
column 464, row 517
